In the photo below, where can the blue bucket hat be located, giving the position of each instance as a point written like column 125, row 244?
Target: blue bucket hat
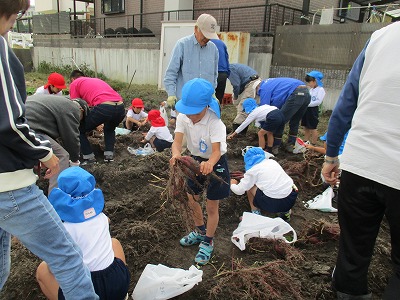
column 318, row 76
column 253, row 156
column 197, row 94
column 76, row 199
column 249, row 105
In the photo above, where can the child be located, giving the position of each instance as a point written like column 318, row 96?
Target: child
column 79, row 204
column 269, row 118
column 268, row 186
column 54, row 86
column 136, row 116
column 199, row 120
column 158, row 135
column 310, row 118
column 322, row 150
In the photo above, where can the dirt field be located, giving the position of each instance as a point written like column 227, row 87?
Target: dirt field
column 150, row 228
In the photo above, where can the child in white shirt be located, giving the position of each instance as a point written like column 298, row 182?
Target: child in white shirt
column 269, row 118
column 159, row 135
column 310, row 119
column 79, row 204
column 268, row 186
column 136, row 117
column 199, row 120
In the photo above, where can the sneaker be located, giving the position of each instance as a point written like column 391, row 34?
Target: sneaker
column 256, row 212
column 90, row 161
column 289, row 148
column 192, row 238
column 108, row 158
column 275, row 150
column 204, row 254
column 285, row 216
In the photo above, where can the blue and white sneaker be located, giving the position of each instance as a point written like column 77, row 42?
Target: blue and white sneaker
column 192, row 238
column 204, row 254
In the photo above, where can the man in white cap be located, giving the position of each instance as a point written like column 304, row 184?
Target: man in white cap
column 193, row 57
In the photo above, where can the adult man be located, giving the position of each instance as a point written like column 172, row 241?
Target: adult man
column 291, row 96
column 369, row 183
column 223, row 69
column 62, row 120
column 193, row 57
column 107, row 108
column 54, row 86
column 24, row 211
column 244, row 81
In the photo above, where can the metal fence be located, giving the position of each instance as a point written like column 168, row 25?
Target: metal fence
column 259, row 20
column 256, row 19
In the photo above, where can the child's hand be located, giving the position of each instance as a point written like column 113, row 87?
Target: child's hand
column 173, row 159
column 231, row 135
column 234, row 181
column 206, row 167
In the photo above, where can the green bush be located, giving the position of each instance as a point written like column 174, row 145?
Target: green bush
column 65, row 70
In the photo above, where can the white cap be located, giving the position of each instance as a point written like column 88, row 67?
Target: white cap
column 208, row 26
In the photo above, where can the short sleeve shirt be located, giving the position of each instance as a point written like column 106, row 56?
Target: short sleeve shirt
column 202, row 135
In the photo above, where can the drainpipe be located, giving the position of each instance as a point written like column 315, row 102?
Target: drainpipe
column 305, row 11
column 141, row 14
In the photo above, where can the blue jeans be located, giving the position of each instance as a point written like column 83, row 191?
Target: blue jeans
column 293, row 110
column 28, row 215
column 110, row 116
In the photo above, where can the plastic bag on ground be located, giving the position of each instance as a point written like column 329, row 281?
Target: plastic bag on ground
column 121, row 131
column 253, row 225
column 322, row 202
column 159, row 282
column 299, row 146
column 146, row 150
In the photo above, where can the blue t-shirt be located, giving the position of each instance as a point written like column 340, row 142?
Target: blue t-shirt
column 275, row 91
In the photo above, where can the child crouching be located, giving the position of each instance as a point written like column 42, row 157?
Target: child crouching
column 79, row 204
column 268, row 186
column 158, row 135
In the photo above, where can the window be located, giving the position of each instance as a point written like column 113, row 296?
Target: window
column 112, row 6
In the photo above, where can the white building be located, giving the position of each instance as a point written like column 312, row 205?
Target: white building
column 54, row 6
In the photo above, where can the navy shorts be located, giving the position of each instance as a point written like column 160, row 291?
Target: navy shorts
column 110, row 283
column 310, row 119
column 161, row 144
column 216, row 189
column 274, row 121
column 273, row 205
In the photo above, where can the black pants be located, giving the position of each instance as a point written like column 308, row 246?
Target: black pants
column 362, row 203
column 221, row 84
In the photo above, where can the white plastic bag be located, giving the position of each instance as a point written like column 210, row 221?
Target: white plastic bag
column 164, row 114
column 146, row 150
column 159, row 282
column 322, row 202
column 299, row 146
column 253, row 225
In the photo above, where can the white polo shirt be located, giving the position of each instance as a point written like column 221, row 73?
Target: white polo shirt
column 162, row 133
column 200, row 136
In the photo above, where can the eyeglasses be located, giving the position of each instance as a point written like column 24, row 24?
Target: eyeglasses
column 20, row 14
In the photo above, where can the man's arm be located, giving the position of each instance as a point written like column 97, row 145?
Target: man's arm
column 14, row 130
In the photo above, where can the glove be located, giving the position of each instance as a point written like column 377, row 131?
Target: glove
column 171, row 101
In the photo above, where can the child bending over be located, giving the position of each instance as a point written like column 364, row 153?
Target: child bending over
column 268, row 186
column 158, row 135
column 79, row 204
column 269, row 118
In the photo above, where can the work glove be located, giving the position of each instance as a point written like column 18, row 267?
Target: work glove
column 171, row 101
